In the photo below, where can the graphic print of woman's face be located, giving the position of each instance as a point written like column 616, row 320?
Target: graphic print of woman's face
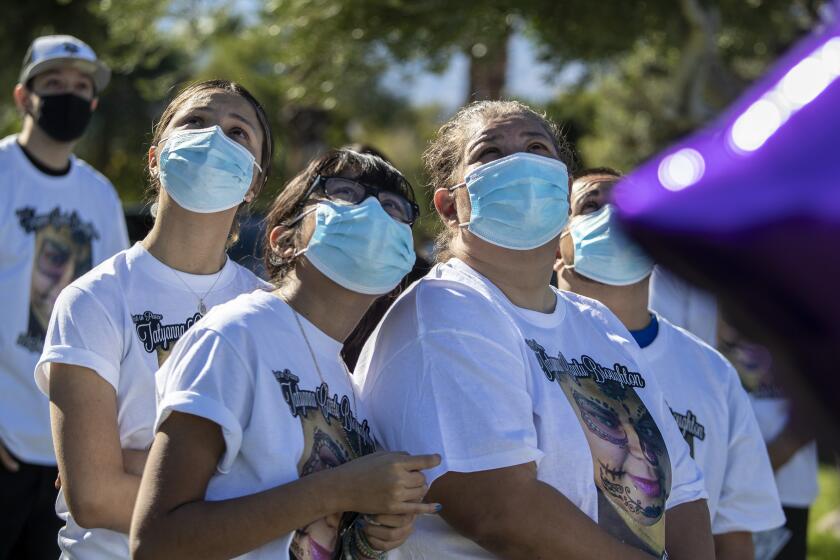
column 629, row 455
column 324, row 448
column 59, row 259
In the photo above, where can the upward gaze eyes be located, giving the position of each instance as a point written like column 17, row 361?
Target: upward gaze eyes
column 493, row 152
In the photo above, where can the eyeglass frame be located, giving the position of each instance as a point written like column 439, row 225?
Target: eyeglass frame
column 370, row 190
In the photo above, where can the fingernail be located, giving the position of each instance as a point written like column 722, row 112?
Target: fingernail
column 438, row 508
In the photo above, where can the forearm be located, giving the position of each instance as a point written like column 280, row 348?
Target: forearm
column 106, row 502
column 229, row 528
column 537, row 521
column 783, row 448
column 734, row 546
column 688, row 533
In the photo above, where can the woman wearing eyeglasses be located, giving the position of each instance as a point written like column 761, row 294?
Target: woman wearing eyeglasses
column 261, row 445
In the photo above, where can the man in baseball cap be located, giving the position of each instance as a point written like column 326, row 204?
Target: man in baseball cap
column 60, row 218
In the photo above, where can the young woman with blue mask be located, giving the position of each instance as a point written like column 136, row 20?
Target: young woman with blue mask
column 113, row 327
column 261, row 444
column 555, row 440
column 703, row 390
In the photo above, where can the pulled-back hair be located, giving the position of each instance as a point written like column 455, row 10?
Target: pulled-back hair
column 365, row 168
column 184, row 96
column 445, row 155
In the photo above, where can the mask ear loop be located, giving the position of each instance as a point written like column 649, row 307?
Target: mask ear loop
column 291, row 223
column 564, row 233
column 450, row 189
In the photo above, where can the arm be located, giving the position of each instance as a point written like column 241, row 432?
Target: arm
column 734, row 546
column 172, row 519
column 784, row 446
column 688, row 532
column 513, row 515
column 7, row 461
column 83, row 408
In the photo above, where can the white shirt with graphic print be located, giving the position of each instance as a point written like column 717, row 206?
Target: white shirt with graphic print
column 53, row 229
column 122, row 320
column 716, row 418
column 455, row 368
column 248, row 368
column 696, row 311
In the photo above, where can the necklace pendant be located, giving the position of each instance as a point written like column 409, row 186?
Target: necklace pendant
column 202, row 308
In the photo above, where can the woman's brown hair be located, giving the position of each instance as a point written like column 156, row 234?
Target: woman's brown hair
column 444, row 157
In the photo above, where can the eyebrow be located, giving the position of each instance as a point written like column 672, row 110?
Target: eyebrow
column 237, row 116
column 244, row 120
column 530, row 134
column 480, row 139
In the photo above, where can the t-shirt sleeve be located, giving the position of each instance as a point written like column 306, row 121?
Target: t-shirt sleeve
column 749, row 500
column 451, row 391
column 205, row 376
column 82, row 332
column 687, row 483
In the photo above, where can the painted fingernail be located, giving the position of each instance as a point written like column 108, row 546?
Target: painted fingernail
column 438, row 508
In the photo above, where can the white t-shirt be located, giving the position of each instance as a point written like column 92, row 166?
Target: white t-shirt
column 248, row 368
column 121, row 320
column 716, row 419
column 53, row 229
column 696, row 311
column 456, row 369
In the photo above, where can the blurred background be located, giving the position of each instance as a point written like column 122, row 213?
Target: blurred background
column 625, row 79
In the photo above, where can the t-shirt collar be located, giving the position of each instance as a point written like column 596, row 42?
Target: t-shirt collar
column 535, row 318
column 198, row 283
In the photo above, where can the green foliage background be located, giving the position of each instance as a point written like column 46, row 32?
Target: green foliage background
column 651, row 71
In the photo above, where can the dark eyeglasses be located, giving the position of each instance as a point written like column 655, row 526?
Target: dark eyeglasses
column 347, row 190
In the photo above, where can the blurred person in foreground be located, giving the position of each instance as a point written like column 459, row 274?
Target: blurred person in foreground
column 59, row 219
column 556, row 441
column 794, row 458
column 702, row 388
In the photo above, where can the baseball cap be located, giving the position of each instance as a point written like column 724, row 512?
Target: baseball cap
column 57, row 51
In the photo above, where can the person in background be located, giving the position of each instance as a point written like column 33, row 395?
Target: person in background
column 555, row 438
column 115, row 326
column 794, row 458
column 703, row 391
column 261, row 444
column 59, row 219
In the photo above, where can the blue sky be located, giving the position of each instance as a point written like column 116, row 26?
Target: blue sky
column 527, row 78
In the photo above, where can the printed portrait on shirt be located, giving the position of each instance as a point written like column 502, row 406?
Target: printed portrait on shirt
column 753, row 362
column 630, row 461
column 62, row 254
column 332, row 435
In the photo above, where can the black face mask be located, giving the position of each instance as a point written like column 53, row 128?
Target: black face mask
column 64, row 117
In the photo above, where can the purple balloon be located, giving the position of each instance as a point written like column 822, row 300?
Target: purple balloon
column 749, row 207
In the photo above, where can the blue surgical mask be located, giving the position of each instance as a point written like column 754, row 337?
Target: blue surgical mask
column 360, row 247
column 518, row 202
column 205, row 171
column 603, row 253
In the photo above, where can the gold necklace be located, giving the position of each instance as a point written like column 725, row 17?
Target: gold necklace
column 202, row 309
